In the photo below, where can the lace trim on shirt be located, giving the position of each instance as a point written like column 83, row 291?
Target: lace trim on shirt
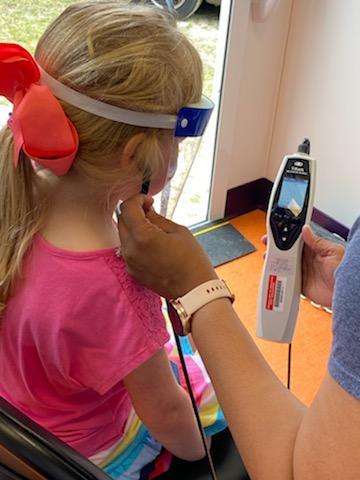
column 146, row 303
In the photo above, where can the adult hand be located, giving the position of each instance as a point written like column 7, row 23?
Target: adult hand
column 159, row 253
column 320, row 259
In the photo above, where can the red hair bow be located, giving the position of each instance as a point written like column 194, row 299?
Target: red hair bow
column 40, row 127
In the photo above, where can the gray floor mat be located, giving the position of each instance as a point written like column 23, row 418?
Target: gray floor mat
column 224, row 243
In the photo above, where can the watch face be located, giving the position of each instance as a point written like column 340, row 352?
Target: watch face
column 175, row 320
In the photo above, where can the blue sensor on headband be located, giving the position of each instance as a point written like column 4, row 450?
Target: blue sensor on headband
column 193, row 119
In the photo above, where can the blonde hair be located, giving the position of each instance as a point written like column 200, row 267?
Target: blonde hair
column 129, row 56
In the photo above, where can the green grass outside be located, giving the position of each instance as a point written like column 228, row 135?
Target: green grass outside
column 24, row 21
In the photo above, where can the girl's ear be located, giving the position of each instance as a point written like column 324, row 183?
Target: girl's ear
column 129, row 152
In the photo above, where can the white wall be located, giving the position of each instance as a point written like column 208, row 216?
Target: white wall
column 253, row 96
column 258, row 93
column 320, row 98
column 250, row 89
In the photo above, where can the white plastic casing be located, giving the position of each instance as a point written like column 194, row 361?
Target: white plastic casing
column 282, row 272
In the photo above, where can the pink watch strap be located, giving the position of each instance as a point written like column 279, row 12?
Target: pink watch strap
column 203, row 294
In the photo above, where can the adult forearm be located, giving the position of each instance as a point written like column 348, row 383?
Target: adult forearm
column 264, row 417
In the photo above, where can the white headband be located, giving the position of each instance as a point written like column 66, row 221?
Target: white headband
column 105, row 110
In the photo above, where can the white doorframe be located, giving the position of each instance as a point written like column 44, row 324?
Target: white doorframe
column 233, row 24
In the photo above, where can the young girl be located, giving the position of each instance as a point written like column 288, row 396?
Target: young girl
column 82, row 346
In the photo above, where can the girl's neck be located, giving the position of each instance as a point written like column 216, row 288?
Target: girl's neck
column 78, row 221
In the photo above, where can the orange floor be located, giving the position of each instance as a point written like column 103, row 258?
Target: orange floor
column 312, row 338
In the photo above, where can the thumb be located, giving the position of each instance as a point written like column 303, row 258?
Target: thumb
column 314, row 242
column 161, row 222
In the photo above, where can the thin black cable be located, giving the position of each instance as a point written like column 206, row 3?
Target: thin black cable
column 144, row 189
column 289, row 367
column 193, row 402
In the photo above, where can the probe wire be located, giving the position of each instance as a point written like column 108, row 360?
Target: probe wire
column 193, row 402
column 144, row 189
column 289, row 367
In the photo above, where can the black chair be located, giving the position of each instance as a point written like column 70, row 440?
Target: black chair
column 226, row 458
column 29, row 452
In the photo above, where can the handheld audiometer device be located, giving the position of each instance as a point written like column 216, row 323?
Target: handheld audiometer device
column 290, row 208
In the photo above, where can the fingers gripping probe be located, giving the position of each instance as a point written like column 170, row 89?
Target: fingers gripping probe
column 290, row 208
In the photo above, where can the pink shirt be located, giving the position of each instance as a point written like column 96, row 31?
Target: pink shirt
column 75, row 326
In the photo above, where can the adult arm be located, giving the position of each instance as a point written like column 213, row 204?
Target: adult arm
column 277, row 436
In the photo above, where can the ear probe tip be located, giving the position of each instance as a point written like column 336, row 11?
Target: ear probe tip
column 117, row 213
column 145, row 187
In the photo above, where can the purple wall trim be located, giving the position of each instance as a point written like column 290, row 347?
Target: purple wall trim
column 255, row 195
column 245, row 198
column 330, row 223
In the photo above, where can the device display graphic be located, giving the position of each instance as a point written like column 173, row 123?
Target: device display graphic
column 292, row 194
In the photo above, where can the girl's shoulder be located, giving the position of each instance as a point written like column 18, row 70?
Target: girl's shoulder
column 98, row 277
column 102, row 267
column 92, row 324
column 44, row 247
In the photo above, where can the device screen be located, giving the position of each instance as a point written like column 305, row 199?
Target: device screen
column 292, row 194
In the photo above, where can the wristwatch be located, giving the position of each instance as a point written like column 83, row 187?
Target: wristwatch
column 183, row 308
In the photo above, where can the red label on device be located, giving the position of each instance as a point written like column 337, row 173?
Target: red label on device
column 271, row 292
